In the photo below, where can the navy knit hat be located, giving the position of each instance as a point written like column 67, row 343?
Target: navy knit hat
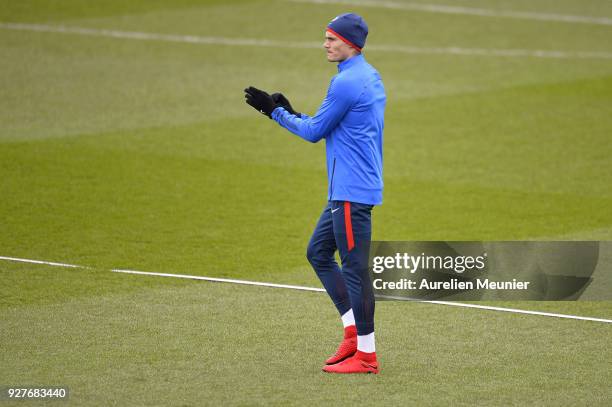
column 350, row 28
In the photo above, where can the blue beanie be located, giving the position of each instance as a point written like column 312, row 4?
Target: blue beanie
column 350, row 28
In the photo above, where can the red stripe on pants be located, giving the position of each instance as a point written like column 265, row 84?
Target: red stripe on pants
column 348, row 225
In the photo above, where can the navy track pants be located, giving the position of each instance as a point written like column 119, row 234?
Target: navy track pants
column 346, row 227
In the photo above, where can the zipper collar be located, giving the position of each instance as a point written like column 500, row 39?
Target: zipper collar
column 347, row 63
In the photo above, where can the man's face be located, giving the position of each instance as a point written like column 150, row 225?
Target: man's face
column 337, row 50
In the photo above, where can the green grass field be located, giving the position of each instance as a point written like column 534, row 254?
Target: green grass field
column 141, row 154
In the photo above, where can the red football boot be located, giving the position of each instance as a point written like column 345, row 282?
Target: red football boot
column 347, row 348
column 361, row 362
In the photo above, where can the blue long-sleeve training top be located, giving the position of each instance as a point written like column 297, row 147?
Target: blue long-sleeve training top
column 351, row 120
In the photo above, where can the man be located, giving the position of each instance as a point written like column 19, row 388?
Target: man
column 351, row 120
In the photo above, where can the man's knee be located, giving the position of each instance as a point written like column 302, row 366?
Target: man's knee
column 318, row 255
column 311, row 254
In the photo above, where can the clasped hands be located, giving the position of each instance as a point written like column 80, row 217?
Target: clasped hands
column 265, row 103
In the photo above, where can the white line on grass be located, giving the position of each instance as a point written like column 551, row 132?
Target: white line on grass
column 48, row 263
column 297, row 287
column 302, row 288
column 520, row 311
column 250, row 42
column 440, row 8
column 221, row 280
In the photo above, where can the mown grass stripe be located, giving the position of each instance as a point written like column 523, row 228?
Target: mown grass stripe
column 471, row 11
column 252, row 42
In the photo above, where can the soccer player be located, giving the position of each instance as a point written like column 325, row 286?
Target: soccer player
column 351, row 120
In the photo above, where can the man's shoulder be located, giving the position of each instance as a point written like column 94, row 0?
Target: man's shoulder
column 352, row 82
column 370, row 70
column 345, row 81
column 349, row 78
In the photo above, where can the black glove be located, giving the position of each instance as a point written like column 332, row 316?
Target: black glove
column 260, row 100
column 283, row 102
